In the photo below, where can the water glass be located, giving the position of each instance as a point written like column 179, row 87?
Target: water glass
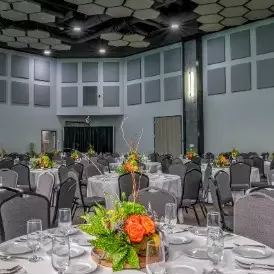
column 155, row 257
column 34, row 238
column 213, row 220
column 64, row 220
column 60, row 254
column 170, row 216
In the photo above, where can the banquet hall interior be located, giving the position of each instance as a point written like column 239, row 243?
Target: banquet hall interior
column 136, row 134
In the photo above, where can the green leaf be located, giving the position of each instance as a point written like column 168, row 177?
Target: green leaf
column 108, row 243
column 119, row 259
column 132, row 258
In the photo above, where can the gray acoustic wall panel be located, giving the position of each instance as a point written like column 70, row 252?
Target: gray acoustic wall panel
column 240, row 44
column 69, row 96
column 42, row 96
column 111, row 72
column 19, row 66
column 3, row 64
column 152, row 65
column 19, row 93
column 241, row 77
column 134, row 94
column 90, row 72
column 111, row 96
column 265, row 77
column 3, row 91
column 90, row 96
column 152, row 91
column 42, row 70
column 265, row 39
column 173, row 88
column 69, row 73
column 216, row 81
column 216, row 50
column 134, row 69
column 173, row 60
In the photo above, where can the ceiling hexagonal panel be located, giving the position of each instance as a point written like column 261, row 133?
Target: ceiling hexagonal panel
column 27, row 7
column 91, row 9
column 233, row 21
column 109, row 4
column 118, row 12
column 232, row 3
column 202, row 2
column 234, row 11
column 111, row 36
column 211, row 18
column 17, row 45
column 79, row 2
column 51, row 41
column 142, row 44
column 14, row 15
column 13, row 32
column 42, row 17
column 61, row 47
column 118, row 43
column 211, row 27
column 139, row 5
column 27, row 40
column 133, row 37
column 4, row 38
column 4, row 6
column 39, row 46
column 146, row 14
column 208, row 9
column 259, row 5
column 258, row 14
column 38, row 33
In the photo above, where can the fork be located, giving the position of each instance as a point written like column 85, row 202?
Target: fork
column 11, row 270
column 254, row 265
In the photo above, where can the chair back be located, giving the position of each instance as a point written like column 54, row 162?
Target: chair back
column 166, row 162
column 197, row 160
column 259, row 163
column 94, row 169
column 84, row 162
column 271, row 165
column 239, row 158
column 205, row 182
column 73, row 174
column 177, row 161
column 223, row 183
column 69, row 161
column 178, row 169
column 9, row 177
column 252, row 154
column 248, row 161
column 6, row 192
column 125, row 183
column 18, row 209
column 270, row 177
column 213, row 192
column 240, row 175
column 104, row 162
column 153, row 157
column 23, row 175
column 6, row 163
column 192, row 184
column 45, row 184
column 63, row 173
column 209, row 156
column 254, row 218
column 150, row 197
column 191, row 165
column 110, row 159
column 79, row 168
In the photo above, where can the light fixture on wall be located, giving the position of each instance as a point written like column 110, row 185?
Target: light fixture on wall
column 102, row 51
column 174, row 26
column 191, row 83
column 47, row 52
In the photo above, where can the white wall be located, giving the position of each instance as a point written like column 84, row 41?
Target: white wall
column 241, row 119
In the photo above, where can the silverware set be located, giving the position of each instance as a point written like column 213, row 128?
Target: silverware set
column 252, row 265
column 10, row 270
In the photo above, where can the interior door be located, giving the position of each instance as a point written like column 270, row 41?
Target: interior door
column 168, row 135
column 48, row 140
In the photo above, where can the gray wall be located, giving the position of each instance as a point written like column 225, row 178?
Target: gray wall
column 239, row 88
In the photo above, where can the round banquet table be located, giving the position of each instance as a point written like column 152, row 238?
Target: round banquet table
column 151, row 166
column 34, row 174
column 98, row 185
column 176, row 256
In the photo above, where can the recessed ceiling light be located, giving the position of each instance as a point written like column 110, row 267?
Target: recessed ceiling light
column 174, row 26
column 47, row 52
column 77, row 29
column 102, row 51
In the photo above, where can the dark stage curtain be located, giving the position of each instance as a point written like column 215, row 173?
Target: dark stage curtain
column 101, row 138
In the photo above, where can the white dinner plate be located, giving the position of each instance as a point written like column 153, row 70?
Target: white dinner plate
column 57, row 232
column 177, row 268
column 199, row 231
column 82, row 268
column 252, row 252
column 179, row 240
column 197, row 253
column 16, row 248
column 75, row 251
column 81, row 241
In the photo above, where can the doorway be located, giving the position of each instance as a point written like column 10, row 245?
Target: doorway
column 168, row 135
column 48, row 140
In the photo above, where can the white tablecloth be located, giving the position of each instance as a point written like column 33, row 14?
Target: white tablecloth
column 98, row 185
column 34, row 174
column 152, row 166
column 176, row 256
column 266, row 167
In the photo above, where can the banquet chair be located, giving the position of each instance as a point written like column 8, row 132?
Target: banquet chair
column 23, row 177
column 254, row 218
column 205, row 188
column 84, row 162
column 79, row 168
column 110, row 159
column 45, row 184
column 240, row 176
column 271, row 165
column 266, row 189
column 222, row 179
column 248, row 161
column 244, row 155
column 209, row 156
column 259, row 163
column 115, row 155
column 6, row 163
column 160, row 158
column 104, row 162
column 150, row 197
column 153, row 157
column 270, row 177
column 94, row 169
column 63, row 173
column 16, row 210
column 177, row 161
column 239, row 158
column 252, row 154
column 9, row 177
column 197, row 160
column 65, row 198
column 191, row 165
column 191, row 189
column 166, row 162
column 68, row 160
column 178, row 169
column 125, row 183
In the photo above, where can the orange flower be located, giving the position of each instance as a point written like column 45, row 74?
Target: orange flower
column 148, row 224
column 134, row 229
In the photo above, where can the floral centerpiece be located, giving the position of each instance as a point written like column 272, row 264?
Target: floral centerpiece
column 131, row 163
column 190, row 154
column 75, row 155
column 3, row 153
column 56, row 152
column 234, row 153
column 91, row 151
column 221, row 161
column 43, row 161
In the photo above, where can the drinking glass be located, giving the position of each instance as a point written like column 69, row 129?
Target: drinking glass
column 147, row 167
column 34, row 238
column 155, row 258
column 60, row 254
column 170, row 216
column 213, row 220
column 64, row 220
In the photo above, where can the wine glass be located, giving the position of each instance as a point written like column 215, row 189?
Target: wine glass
column 171, row 216
column 213, row 220
column 60, row 254
column 34, row 238
column 64, row 220
column 155, row 257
